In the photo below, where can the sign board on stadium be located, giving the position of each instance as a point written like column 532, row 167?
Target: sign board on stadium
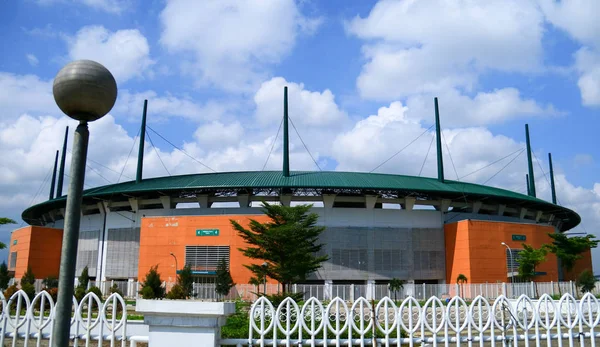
column 519, row 237
column 207, row 232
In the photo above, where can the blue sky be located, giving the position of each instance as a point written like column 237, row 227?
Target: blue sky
column 362, row 77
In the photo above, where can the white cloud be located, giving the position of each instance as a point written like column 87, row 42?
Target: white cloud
column 310, row 108
column 166, row 106
column 232, row 42
column 458, row 110
column 24, row 94
column 125, row 53
column 587, row 63
column 407, row 52
column 579, row 19
column 32, row 60
column 217, row 134
column 110, row 6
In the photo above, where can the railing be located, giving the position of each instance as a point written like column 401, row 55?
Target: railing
column 93, row 320
column 348, row 292
column 485, row 322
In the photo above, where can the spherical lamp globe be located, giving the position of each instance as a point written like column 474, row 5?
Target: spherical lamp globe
column 85, row 90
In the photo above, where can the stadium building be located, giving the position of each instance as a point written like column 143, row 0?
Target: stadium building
column 378, row 226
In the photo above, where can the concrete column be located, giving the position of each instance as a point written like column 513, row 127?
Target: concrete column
column 135, row 206
column 370, row 294
column 285, row 199
column 501, row 209
column 244, row 200
column 327, row 290
column 328, row 200
column 203, row 201
column 477, row 206
column 370, row 201
column 166, row 202
column 409, row 203
column 184, row 323
column 445, row 205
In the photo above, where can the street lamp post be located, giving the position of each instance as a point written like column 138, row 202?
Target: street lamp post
column 510, row 269
column 265, row 265
column 173, row 255
column 85, row 91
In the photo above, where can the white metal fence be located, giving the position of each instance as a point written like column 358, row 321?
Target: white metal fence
column 484, row 322
column 348, row 292
column 31, row 321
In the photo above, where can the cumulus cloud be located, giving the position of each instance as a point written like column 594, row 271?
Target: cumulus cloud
column 161, row 107
column 125, row 53
column 483, row 108
column 230, row 42
column 409, row 53
column 24, row 94
column 579, row 19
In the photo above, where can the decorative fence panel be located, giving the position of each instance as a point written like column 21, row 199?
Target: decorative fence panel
column 31, row 321
column 501, row 322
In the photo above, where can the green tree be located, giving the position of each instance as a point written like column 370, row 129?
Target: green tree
column 3, row 221
column 287, row 243
column 186, row 281
column 586, row 281
column 570, row 249
column 529, row 259
column 27, row 283
column 395, row 286
column 224, row 282
column 84, row 278
column 460, row 280
column 5, row 276
column 152, row 287
column 50, row 282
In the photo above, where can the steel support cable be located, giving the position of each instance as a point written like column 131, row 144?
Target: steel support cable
column 305, row 147
column 95, row 171
column 128, row 155
column 426, row 155
column 273, row 145
column 403, row 148
column 504, row 167
column 550, row 185
column 39, row 190
column 492, row 163
column 106, row 167
column 181, row 150
column 158, row 155
column 450, row 154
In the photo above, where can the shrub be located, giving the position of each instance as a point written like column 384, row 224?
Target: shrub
column 29, row 289
column 276, row 299
column 186, row 281
column 53, row 293
column 177, row 293
column 79, row 293
column 50, row 282
column 147, row 293
column 96, row 291
column 10, row 291
column 586, row 281
column 5, row 276
column 224, row 282
column 237, row 325
column 154, row 283
column 28, row 277
column 84, row 278
column 115, row 289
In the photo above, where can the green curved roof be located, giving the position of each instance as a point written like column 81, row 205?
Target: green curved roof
column 325, row 180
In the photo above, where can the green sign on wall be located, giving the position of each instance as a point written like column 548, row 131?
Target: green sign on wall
column 14, row 242
column 519, row 237
column 207, row 232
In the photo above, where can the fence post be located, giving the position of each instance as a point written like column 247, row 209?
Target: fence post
column 424, row 292
column 552, row 287
column 571, row 288
column 352, row 292
column 504, row 288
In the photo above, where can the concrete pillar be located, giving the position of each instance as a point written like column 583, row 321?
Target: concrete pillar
column 285, row 199
column 244, row 200
column 327, row 290
column 409, row 203
column 203, row 201
column 445, row 205
column 522, row 213
column 166, row 202
column 538, row 216
column 477, row 206
column 328, row 200
column 133, row 202
column 501, row 209
column 187, row 323
column 370, row 294
column 370, row 201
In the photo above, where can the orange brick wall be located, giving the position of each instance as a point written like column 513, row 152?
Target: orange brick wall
column 37, row 247
column 159, row 236
column 474, row 248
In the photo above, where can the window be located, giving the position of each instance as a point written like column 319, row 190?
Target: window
column 13, row 260
column 206, row 258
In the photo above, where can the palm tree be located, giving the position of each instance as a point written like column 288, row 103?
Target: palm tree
column 395, row 286
column 460, row 280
